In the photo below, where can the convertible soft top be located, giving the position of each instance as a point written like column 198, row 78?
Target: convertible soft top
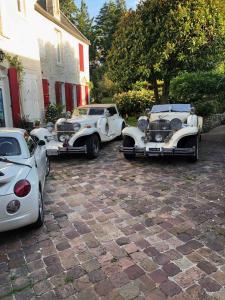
column 171, row 108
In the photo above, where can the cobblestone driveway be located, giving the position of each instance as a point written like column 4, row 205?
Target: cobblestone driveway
column 149, row 229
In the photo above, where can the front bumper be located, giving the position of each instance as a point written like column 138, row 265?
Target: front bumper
column 158, row 151
column 56, row 151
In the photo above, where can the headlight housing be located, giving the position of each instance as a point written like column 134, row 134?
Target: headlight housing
column 76, row 127
column 142, row 124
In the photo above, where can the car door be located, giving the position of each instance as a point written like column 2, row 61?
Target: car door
column 39, row 153
column 112, row 120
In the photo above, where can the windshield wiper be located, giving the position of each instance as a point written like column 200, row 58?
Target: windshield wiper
column 3, row 159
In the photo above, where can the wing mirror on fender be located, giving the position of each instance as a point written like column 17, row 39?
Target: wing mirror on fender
column 41, row 143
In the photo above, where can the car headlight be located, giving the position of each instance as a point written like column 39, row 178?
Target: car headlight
column 142, row 124
column 76, row 127
column 175, row 124
column 158, row 138
column 64, row 137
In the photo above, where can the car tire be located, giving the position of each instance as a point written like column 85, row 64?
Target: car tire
column 93, row 146
column 193, row 141
column 48, row 167
column 40, row 220
column 128, row 142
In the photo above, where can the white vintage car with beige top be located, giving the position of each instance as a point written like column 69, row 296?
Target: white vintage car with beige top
column 170, row 129
column 84, row 131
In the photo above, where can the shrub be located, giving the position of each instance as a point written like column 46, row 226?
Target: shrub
column 194, row 87
column 133, row 103
column 53, row 113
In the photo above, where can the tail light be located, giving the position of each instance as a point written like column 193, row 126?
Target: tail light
column 22, row 188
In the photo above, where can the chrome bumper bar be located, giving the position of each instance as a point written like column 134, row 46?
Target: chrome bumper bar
column 158, row 151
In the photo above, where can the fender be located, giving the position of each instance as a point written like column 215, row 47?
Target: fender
column 135, row 133
column 187, row 131
column 42, row 134
column 83, row 132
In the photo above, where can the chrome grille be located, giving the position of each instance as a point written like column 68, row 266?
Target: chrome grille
column 161, row 127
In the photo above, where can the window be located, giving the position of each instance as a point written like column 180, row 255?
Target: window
column 59, row 47
column 112, row 111
column 9, row 146
column 96, row 112
column 81, row 57
column 21, row 6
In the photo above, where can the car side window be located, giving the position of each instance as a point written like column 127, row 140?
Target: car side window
column 30, row 144
column 112, row 111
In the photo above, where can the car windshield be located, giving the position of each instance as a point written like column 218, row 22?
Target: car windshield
column 171, row 108
column 9, row 146
column 96, row 111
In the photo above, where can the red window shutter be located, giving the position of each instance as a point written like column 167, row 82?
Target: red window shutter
column 79, row 95
column 58, row 92
column 69, row 96
column 15, row 95
column 87, row 94
column 45, row 85
column 81, row 57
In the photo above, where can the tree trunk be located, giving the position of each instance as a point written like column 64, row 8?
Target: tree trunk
column 155, row 85
column 166, row 91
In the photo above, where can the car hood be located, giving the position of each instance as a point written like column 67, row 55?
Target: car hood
column 10, row 174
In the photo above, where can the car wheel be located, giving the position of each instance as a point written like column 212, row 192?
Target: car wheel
column 128, row 142
column 48, row 167
column 40, row 219
column 196, row 145
column 93, row 146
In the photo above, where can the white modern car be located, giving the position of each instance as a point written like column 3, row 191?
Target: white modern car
column 88, row 127
column 24, row 166
column 168, row 129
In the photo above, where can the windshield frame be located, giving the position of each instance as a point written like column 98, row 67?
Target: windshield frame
column 170, row 108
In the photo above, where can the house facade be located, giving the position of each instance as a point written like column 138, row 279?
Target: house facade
column 52, row 64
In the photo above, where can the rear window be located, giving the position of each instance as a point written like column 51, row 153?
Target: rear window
column 9, row 146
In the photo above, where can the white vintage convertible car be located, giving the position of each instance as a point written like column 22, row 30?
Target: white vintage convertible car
column 170, row 129
column 88, row 127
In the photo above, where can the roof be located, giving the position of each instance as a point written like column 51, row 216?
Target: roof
column 97, row 105
column 63, row 22
column 11, row 130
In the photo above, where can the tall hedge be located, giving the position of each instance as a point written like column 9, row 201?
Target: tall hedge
column 204, row 90
column 133, row 103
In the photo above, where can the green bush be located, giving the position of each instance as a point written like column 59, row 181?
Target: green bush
column 53, row 113
column 193, row 87
column 133, row 103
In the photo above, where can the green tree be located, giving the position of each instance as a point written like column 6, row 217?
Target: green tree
column 69, row 8
column 106, row 25
column 163, row 38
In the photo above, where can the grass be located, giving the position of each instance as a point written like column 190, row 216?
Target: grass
column 107, row 100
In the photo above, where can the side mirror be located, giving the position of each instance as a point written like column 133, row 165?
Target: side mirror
column 107, row 114
column 41, row 143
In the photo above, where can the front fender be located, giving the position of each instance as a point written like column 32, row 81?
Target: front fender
column 134, row 133
column 181, row 134
column 81, row 133
column 42, row 134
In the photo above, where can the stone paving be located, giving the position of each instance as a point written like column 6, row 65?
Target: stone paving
column 149, row 229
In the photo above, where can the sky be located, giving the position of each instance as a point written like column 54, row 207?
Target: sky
column 95, row 5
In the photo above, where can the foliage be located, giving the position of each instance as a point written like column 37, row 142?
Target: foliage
column 107, row 86
column 83, row 20
column 205, row 90
column 53, row 113
column 140, row 85
column 193, row 87
column 106, row 25
column 133, row 103
column 69, row 8
column 15, row 62
column 163, row 38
